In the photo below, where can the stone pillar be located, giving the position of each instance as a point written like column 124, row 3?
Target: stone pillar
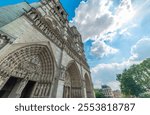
column 58, row 80
column 17, row 90
column 84, row 89
column 34, row 89
column 3, row 80
column 60, row 87
column 53, row 88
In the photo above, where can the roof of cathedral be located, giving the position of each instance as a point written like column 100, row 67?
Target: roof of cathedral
column 12, row 12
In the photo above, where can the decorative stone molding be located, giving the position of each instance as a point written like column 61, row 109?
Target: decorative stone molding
column 67, row 79
column 63, row 72
column 21, row 86
column 34, row 61
column 42, row 90
column 4, row 39
column 29, row 70
column 56, row 35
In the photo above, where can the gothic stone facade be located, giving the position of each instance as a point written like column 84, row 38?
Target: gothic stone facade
column 40, row 54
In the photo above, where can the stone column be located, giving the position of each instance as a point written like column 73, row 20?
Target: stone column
column 17, row 90
column 84, row 88
column 3, row 80
column 60, row 87
column 34, row 89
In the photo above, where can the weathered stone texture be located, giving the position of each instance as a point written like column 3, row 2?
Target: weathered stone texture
column 41, row 55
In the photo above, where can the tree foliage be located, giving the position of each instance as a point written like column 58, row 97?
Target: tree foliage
column 99, row 93
column 145, row 95
column 136, row 79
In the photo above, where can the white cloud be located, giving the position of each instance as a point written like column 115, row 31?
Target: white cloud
column 93, row 17
column 141, row 49
column 100, row 49
column 115, row 85
column 142, row 9
column 97, row 84
column 106, row 73
column 125, row 31
column 95, row 20
column 124, row 13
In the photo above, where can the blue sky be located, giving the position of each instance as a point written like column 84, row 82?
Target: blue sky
column 9, row 2
column 69, row 6
column 116, row 34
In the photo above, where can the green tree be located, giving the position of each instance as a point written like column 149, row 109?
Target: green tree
column 99, row 93
column 145, row 95
column 136, row 79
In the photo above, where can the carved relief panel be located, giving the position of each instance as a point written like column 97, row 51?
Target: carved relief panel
column 3, row 40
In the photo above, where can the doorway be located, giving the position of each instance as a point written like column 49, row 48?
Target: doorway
column 8, row 87
column 27, row 91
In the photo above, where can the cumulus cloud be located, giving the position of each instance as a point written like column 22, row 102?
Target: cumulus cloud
column 106, row 73
column 100, row 21
column 89, row 16
column 140, row 50
column 125, row 31
column 93, row 17
column 101, row 49
column 95, row 20
column 123, row 13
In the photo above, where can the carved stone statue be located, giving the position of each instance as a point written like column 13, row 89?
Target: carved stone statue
column 63, row 72
column 3, row 40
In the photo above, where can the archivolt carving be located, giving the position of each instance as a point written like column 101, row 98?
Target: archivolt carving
column 32, row 61
column 72, row 84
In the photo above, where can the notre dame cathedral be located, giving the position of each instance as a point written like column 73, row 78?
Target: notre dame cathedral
column 41, row 56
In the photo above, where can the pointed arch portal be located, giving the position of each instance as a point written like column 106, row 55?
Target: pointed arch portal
column 73, row 84
column 27, row 72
